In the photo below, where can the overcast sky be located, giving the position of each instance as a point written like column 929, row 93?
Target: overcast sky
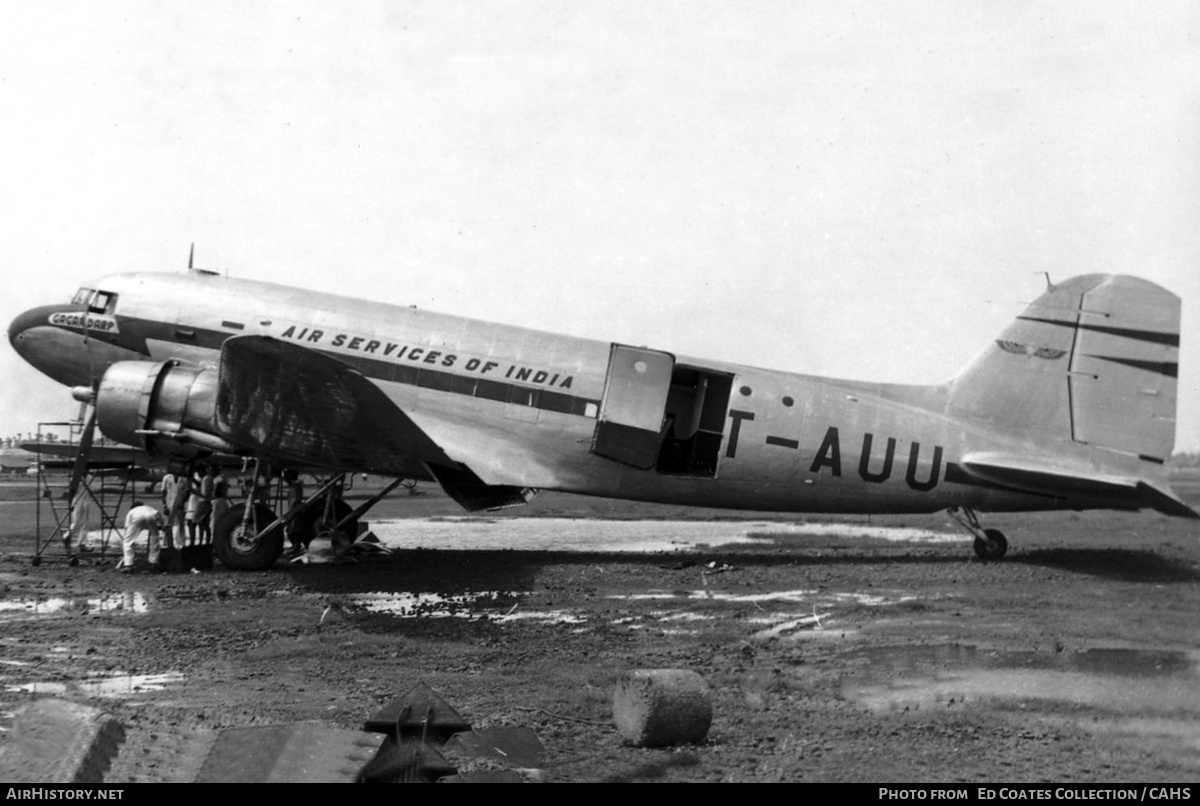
column 867, row 190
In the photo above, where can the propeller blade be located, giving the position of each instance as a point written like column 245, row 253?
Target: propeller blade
column 81, row 460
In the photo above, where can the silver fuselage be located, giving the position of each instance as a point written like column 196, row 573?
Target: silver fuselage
column 521, row 406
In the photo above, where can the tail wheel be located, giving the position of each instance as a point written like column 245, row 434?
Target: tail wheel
column 238, row 545
column 994, row 547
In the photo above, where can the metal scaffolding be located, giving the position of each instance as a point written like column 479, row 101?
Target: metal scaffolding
column 88, row 487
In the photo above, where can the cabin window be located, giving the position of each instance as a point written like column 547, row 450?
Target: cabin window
column 82, row 296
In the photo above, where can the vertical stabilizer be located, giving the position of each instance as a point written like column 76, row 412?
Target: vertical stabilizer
column 1094, row 361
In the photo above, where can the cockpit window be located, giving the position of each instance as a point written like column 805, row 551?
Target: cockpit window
column 96, row 301
column 103, row 302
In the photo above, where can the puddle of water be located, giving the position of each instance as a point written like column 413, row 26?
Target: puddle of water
column 1175, row 739
column 570, row 534
column 658, row 629
column 813, row 619
column 792, row 625
column 808, row 597
column 501, row 607
column 1112, row 679
column 975, row 685
column 110, row 686
column 665, row 622
column 107, row 541
column 475, row 604
column 34, row 605
column 899, row 534
column 38, row 688
column 777, row 596
column 681, row 616
column 1134, row 662
column 545, row 616
column 128, row 684
column 128, row 602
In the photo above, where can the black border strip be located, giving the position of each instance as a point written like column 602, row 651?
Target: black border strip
column 1168, row 368
column 484, row 388
column 1156, row 337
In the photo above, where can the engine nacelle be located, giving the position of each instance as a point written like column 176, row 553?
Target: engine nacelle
column 166, row 407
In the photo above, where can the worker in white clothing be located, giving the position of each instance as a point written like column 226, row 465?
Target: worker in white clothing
column 141, row 518
column 75, row 538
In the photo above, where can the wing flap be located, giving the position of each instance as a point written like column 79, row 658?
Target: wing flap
column 472, row 494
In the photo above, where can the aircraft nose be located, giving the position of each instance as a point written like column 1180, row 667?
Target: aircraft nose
column 50, row 347
column 24, row 321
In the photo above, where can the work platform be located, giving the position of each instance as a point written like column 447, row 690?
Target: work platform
column 82, row 485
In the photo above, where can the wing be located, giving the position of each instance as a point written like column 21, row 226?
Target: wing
column 303, row 407
column 65, row 454
column 300, row 406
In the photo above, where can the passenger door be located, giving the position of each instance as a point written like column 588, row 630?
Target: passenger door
column 630, row 424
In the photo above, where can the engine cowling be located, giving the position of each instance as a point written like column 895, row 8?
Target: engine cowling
column 166, row 407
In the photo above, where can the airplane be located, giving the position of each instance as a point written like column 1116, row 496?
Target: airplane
column 106, row 461
column 1071, row 407
column 16, row 461
column 62, row 455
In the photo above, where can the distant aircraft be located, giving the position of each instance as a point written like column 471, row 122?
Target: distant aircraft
column 62, row 455
column 1072, row 407
column 16, row 461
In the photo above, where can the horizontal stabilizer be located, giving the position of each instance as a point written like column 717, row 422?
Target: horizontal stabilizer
column 1042, row 476
column 1165, row 501
column 300, row 406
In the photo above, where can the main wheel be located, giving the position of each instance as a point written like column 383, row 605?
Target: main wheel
column 994, row 548
column 313, row 522
column 239, row 547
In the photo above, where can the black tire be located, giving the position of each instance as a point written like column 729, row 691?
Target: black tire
column 240, row 551
column 994, row 548
column 311, row 523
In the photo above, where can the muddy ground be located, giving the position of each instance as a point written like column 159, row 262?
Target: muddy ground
column 874, row 657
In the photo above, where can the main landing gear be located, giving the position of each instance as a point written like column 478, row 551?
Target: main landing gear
column 990, row 544
column 241, row 541
column 250, row 537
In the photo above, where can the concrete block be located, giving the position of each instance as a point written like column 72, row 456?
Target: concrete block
column 300, row 752
column 59, row 742
column 659, row 707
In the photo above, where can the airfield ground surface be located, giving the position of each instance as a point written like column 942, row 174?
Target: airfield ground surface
column 837, row 649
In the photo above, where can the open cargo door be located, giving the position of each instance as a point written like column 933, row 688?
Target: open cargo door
column 630, row 426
